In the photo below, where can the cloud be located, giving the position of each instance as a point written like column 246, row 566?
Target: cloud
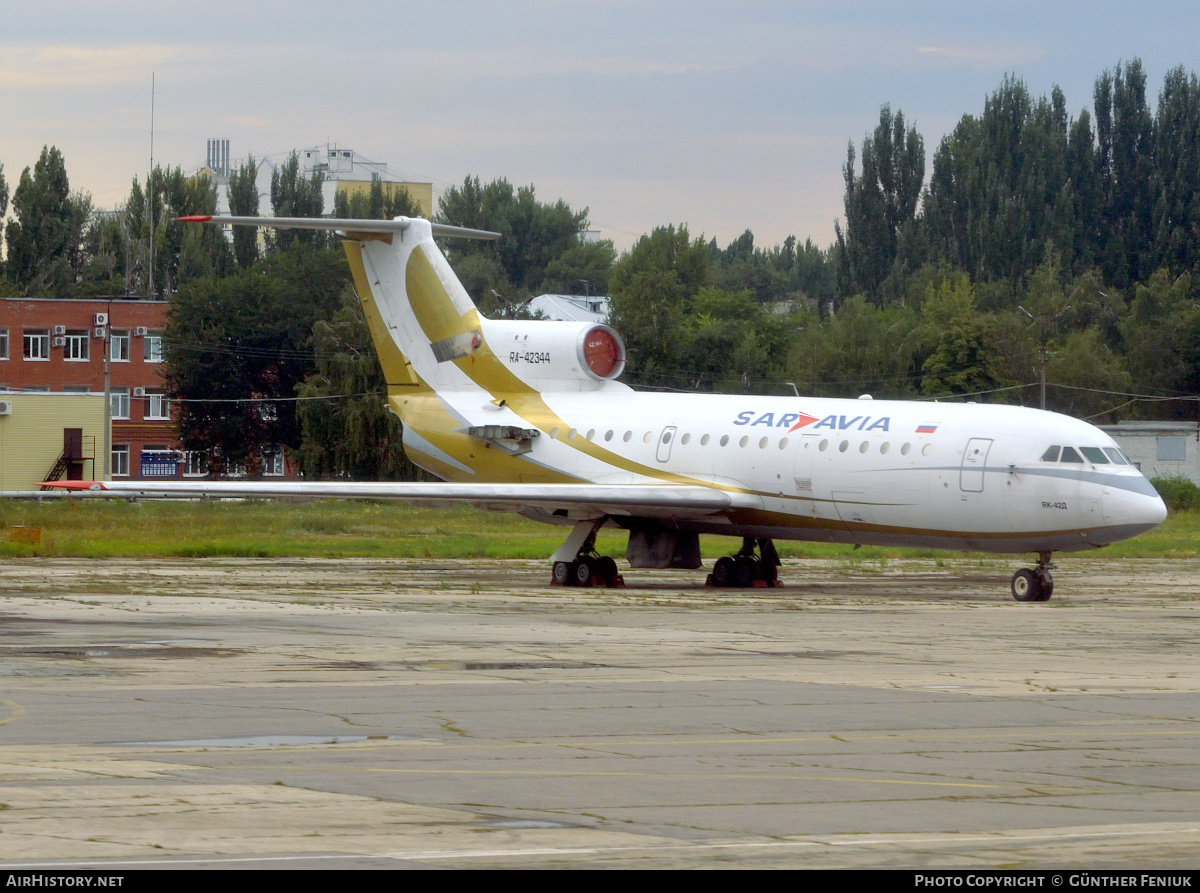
column 982, row 57
column 49, row 68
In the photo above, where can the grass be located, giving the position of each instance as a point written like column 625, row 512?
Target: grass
column 95, row 528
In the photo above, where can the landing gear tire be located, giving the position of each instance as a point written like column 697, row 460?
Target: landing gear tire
column 722, row 574
column 606, row 570
column 1027, row 586
column 585, row 570
column 562, row 573
column 745, row 571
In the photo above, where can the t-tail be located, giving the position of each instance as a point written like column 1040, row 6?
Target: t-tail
column 442, row 359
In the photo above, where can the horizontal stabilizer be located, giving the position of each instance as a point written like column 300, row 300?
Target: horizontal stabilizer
column 345, row 225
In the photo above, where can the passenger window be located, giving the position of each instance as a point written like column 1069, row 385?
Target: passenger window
column 724, row 439
column 1069, row 455
column 1051, row 455
column 1095, row 455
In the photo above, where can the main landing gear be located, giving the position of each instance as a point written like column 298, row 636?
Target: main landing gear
column 587, row 568
column 744, row 570
column 1034, row 584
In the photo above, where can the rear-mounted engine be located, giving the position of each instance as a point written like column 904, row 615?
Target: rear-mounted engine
column 544, row 351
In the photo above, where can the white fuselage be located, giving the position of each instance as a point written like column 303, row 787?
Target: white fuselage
column 950, row 475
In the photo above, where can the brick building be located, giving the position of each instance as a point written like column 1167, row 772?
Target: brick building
column 52, row 345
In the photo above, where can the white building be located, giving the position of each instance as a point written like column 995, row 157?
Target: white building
column 339, row 168
column 572, row 308
column 1160, row 449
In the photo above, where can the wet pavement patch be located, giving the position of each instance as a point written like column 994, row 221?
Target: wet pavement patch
column 118, row 650
column 266, row 741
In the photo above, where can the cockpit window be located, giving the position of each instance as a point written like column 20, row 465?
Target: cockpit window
column 1069, row 455
column 1116, row 455
column 1051, row 454
column 1095, row 455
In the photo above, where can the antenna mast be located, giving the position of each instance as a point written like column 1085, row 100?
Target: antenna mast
column 150, row 188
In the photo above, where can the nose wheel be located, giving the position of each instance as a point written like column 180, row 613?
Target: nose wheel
column 1034, row 584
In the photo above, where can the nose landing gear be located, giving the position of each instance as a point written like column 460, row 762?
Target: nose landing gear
column 1034, row 584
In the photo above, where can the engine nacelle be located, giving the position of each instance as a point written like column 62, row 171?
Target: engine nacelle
column 543, row 352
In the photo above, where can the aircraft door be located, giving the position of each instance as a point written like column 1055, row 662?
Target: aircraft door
column 974, row 461
column 665, row 439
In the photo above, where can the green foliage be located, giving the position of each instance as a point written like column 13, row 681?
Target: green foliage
column 236, row 349
column 533, row 235
column 881, row 204
column 242, row 193
column 293, row 195
column 181, row 252
column 1178, row 492
column 347, row 431
column 44, row 238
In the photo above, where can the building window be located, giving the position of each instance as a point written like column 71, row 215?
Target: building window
column 195, row 463
column 118, row 345
column 157, row 406
column 153, row 346
column 75, row 389
column 120, row 460
column 37, row 344
column 1172, row 449
column 3, row 344
column 273, row 462
column 120, row 403
column 75, row 346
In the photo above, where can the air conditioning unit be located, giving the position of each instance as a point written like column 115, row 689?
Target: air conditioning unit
column 141, row 331
column 60, row 330
column 5, row 407
column 99, row 331
column 101, row 319
column 139, row 392
column 60, row 341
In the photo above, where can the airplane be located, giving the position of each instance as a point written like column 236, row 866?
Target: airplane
column 530, row 417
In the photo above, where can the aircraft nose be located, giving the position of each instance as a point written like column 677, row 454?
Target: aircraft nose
column 1129, row 512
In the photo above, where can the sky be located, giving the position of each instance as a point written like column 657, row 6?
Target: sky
column 722, row 116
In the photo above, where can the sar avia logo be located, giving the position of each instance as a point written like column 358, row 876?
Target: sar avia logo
column 793, row 421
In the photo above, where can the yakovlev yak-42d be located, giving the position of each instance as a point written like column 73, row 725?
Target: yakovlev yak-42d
column 529, row 417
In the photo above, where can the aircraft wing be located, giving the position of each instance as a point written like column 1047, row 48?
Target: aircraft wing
column 676, row 502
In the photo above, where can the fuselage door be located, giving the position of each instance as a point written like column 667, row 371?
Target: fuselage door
column 665, row 439
column 974, row 461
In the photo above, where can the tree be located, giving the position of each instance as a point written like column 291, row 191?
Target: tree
column 1177, row 203
column 532, row 236
column 1125, row 136
column 236, row 349
column 347, row 431
column 3, row 198
column 242, row 193
column 45, row 237
column 880, row 204
column 293, row 195
column 174, row 251
column 380, row 202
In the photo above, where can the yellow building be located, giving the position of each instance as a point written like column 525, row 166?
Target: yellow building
column 47, row 435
